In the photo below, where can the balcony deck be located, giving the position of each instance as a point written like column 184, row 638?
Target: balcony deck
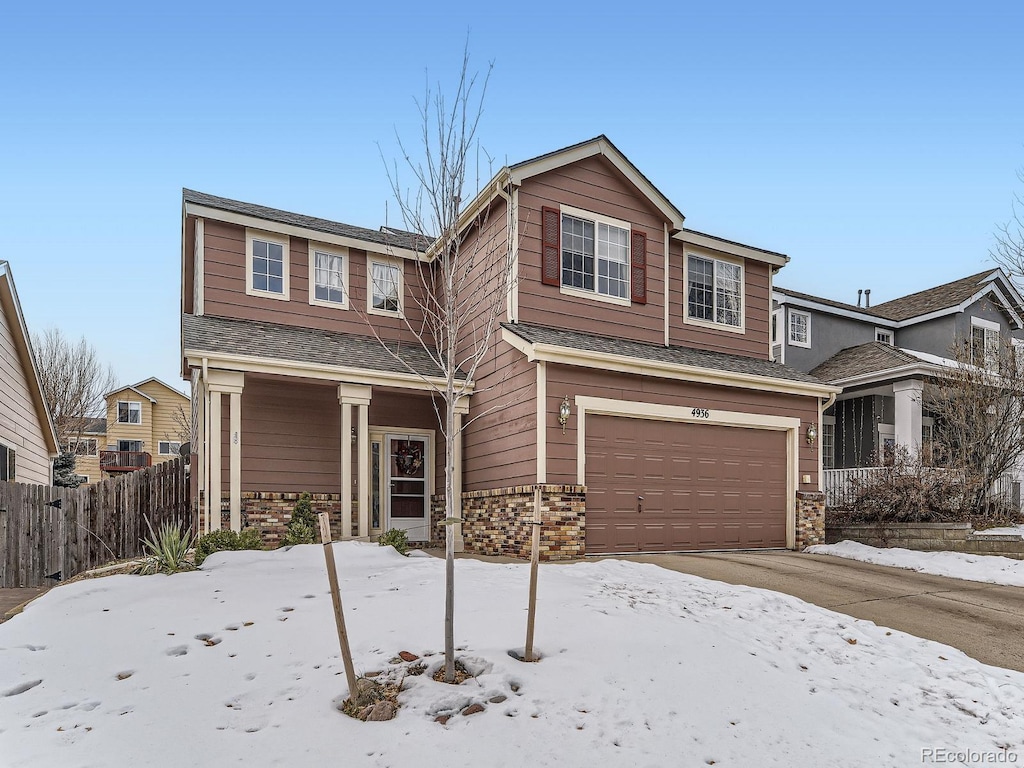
column 124, row 461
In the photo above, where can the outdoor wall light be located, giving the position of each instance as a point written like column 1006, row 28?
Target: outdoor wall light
column 563, row 412
column 812, row 433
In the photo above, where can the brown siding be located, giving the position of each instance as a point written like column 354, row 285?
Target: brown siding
column 756, row 306
column 578, row 381
column 188, row 265
column 225, row 296
column 592, row 185
column 499, row 444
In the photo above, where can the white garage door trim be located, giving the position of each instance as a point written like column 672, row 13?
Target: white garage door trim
column 605, row 406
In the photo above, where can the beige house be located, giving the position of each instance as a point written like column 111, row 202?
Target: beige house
column 146, row 423
column 28, row 443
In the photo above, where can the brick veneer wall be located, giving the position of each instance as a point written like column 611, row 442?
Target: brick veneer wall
column 810, row 519
column 497, row 521
column 270, row 512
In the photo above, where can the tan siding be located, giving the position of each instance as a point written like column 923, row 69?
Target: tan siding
column 164, row 424
column 89, row 466
column 756, row 306
column 499, row 447
column 224, row 275
column 592, row 185
column 579, row 381
column 143, row 431
column 20, row 423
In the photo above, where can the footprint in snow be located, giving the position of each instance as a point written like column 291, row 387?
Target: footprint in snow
column 209, row 640
column 19, row 689
column 178, row 650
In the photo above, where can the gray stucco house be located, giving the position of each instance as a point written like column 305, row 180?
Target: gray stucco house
column 882, row 356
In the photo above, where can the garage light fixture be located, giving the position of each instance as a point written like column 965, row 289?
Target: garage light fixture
column 812, row 433
column 563, row 412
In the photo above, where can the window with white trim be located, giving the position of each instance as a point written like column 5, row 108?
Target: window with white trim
column 8, row 463
column 799, row 328
column 328, row 276
column 266, row 265
column 714, row 291
column 168, row 447
column 129, row 412
column 828, row 445
column 134, row 446
column 595, row 254
column 386, row 288
column 84, row 446
column 985, row 344
column 884, row 336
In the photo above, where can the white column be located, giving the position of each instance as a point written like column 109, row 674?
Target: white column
column 235, row 460
column 363, row 481
column 346, row 471
column 213, row 501
column 908, row 414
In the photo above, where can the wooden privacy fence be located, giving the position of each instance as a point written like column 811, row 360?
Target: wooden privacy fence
column 92, row 525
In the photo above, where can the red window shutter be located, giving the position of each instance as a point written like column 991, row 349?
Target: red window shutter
column 638, row 268
column 550, row 258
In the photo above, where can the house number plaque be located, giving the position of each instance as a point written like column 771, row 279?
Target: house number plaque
column 700, row 413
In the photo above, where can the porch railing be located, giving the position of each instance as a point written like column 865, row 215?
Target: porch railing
column 124, row 461
column 840, row 485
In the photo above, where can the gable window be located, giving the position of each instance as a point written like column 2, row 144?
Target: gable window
column 386, row 288
column 134, row 446
column 595, row 255
column 266, row 265
column 129, row 412
column 985, row 344
column 84, row 446
column 7, row 463
column 799, row 328
column 168, row 447
column 328, row 277
column 714, row 291
column 883, row 336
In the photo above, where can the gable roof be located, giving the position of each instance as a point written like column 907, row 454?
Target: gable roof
column 864, row 360
column 94, row 425
column 163, row 384
column 129, row 388
column 11, row 306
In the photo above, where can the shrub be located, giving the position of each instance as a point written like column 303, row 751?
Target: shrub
column 224, row 540
column 168, row 549
column 302, row 528
column 395, row 537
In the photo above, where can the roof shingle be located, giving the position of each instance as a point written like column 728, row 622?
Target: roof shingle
column 867, row 358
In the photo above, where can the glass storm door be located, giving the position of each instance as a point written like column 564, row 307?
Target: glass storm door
column 408, row 457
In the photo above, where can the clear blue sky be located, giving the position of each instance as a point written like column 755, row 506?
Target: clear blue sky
column 875, row 143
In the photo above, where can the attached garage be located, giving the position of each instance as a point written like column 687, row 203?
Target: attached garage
column 660, row 485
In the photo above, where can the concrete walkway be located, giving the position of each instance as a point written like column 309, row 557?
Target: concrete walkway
column 985, row 621
column 12, row 600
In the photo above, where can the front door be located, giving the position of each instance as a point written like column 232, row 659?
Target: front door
column 407, row 466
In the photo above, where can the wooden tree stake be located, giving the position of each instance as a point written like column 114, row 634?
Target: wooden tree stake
column 534, row 561
column 339, row 617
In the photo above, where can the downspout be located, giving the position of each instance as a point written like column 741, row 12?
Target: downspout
column 511, row 242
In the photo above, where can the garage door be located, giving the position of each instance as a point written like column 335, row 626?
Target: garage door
column 669, row 486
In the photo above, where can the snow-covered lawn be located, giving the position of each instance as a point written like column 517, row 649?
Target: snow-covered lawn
column 992, row 569
column 237, row 664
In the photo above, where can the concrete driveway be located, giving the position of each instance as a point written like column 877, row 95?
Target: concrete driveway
column 983, row 620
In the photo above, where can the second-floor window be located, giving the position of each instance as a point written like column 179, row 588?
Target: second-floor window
column 266, row 265
column 386, row 288
column 595, row 255
column 799, row 328
column 328, row 277
column 984, row 344
column 134, row 446
column 714, row 291
column 129, row 412
column 883, row 336
column 84, row 446
column 168, row 447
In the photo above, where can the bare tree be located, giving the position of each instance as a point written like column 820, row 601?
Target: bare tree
column 979, row 406
column 1008, row 251
column 463, row 277
column 74, row 381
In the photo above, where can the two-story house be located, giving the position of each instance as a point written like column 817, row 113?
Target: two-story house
column 883, row 356
column 28, row 443
column 630, row 385
column 145, row 424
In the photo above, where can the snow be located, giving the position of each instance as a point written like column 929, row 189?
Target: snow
column 1013, row 530
column 237, row 664
column 991, row 569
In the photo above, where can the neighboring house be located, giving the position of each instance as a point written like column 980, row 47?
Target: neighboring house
column 28, row 443
column 883, row 357
column 630, row 385
column 146, row 424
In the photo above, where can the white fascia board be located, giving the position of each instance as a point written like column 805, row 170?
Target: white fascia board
column 267, row 225
column 784, row 298
column 132, row 388
column 713, row 243
column 657, row 369
column 333, row 373
column 911, row 369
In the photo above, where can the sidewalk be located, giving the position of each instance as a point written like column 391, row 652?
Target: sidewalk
column 13, row 600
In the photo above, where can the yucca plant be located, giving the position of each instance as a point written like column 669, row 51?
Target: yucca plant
column 167, row 549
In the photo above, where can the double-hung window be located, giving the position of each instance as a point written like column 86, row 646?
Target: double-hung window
column 386, row 288
column 799, row 328
column 595, row 255
column 129, row 412
column 7, row 463
column 328, row 276
column 266, row 265
column 985, row 344
column 714, row 291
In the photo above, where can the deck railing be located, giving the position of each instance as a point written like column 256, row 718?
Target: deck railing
column 124, row 461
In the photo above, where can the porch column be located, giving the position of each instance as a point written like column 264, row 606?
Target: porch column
column 908, row 414
column 228, row 383
column 461, row 409
column 357, row 395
